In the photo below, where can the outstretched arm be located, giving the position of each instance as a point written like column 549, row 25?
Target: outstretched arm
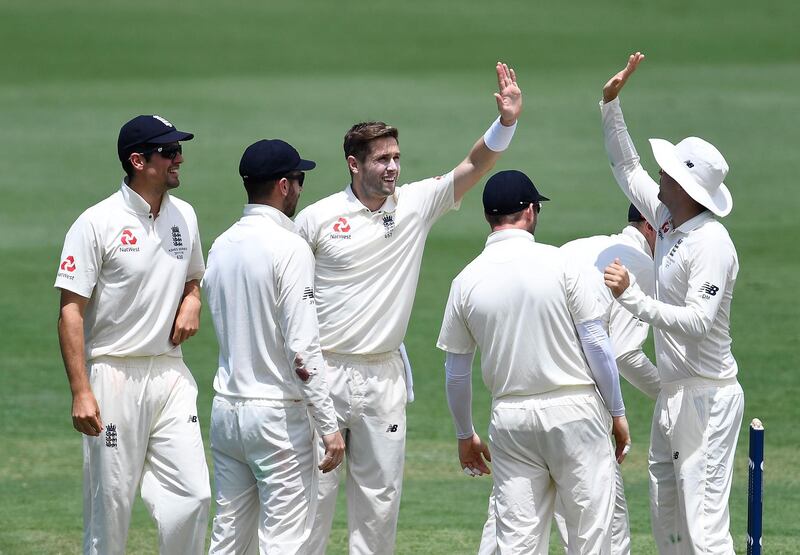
column 615, row 84
column 640, row 189
column 487, row 149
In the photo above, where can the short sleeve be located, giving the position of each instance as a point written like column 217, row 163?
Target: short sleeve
column 584, row 301
column 455, row 336
column 433, row 197
column 303, row 226
column 197, row 266
column 81, row 258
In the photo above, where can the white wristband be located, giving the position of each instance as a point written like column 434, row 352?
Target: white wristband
column 498, row 136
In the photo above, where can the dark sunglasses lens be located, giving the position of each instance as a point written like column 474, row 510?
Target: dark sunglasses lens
column 301, row 178
column 170, row 152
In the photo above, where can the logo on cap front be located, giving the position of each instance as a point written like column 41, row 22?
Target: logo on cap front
column 165, row 121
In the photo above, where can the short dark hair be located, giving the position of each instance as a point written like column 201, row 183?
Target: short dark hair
column 126, row 163
column 358, row 137
column 504, row 219
column 257, row 189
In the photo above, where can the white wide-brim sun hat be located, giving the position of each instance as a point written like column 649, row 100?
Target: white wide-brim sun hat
column 699, row 169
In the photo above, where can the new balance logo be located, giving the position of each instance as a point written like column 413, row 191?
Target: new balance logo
column 308, row 293
column 392, row 428
column 708, row 290
column 111, row 435
column 689, row 163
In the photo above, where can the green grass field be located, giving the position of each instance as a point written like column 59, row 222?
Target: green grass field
column 234, row 72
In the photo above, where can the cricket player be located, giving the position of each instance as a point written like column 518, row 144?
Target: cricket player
column 699, row 410
column 260, row 289
column 634, row 246
column 129, row 278
column 549, row 428
column 368, row 242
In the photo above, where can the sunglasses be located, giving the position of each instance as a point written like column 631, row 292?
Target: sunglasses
column 296, row 176
column 169, row 152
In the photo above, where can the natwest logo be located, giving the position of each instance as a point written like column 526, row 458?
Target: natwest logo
column 341, row 226
column 69, row 264
column 341, row 229
column 128, row 238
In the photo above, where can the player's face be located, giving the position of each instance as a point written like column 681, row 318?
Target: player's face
column 164, row 167
column 669, row 191
column 377, row 175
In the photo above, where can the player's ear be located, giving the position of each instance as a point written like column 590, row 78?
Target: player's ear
column 352, row 164
column 137, row 160
column 284, row 186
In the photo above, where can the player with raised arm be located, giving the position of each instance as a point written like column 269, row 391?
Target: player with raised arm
column 699, row 410
column 368, row 242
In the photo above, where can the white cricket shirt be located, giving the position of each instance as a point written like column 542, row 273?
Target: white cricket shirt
column 626, row 331
column 696, row 267
column 519, row 301
column 133, row 269
column 260, row 290
column 367, row 263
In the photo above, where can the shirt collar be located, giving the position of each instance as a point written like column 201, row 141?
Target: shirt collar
column 506, row 234
column 695, row 222
column 269, row 212
column 389, row 205
column 636, row 235
column 136, row 203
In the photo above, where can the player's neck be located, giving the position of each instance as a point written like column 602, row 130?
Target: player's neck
column 370, row 201
column 152, row 195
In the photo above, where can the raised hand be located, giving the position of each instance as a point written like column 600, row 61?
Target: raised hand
column 509, row 95
column 615, row 84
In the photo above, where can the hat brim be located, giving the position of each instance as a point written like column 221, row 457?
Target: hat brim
column 719, row 202
column 171, row 137
column 306, row 165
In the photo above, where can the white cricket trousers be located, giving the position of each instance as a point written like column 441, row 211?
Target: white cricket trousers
column 620, row 525
column 151, row 436
column 369, row 394
column 692, row 443
column 265, row 476
column 548, row 445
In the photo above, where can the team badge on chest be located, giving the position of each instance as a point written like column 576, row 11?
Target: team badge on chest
column 388, row 225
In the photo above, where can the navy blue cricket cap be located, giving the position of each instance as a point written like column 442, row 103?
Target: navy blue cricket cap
column 143, row 130
column 634, row 215
column 509, row 191
column 271, row 159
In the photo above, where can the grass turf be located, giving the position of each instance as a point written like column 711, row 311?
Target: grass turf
column 233, row 73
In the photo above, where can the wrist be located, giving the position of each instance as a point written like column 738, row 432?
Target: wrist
column 499, row 135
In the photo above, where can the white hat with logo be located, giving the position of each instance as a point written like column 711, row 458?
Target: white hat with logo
column 699, row 169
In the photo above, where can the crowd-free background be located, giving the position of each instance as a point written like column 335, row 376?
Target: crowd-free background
column 233, row 72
